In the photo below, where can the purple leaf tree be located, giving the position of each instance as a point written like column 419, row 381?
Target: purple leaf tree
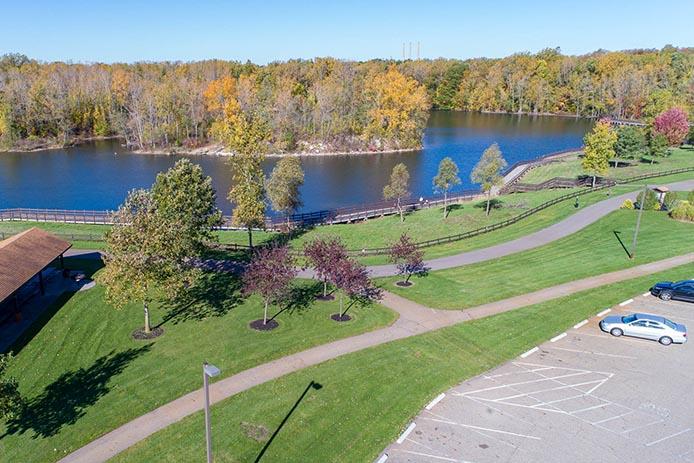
column 269, row 275
column 407, row 258
column 672, row 124
column 324, row 255
column 352, row 279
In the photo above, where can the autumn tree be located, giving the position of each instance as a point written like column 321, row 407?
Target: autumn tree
column 398, row 186
column 407, row 257
column 657, row 145
column 445, row 179
column 673, row 125
column 352, row 280
column 269, row 275
column 630, row 143
column 324, row 255
column 398, row 109
column 284, row 184
column 10, row 399
column 488, row 171
column 599, row 149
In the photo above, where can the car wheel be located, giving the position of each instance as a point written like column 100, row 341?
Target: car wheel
column 666, row 295
column 616, row 332
column 665, row 341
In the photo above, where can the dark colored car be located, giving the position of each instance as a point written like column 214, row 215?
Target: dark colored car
column 679, row 290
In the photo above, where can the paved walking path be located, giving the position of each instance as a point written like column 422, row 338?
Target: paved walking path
column 414, row 319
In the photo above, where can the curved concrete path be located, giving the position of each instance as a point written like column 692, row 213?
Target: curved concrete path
column 414, row 319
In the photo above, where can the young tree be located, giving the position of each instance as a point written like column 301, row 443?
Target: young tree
column 10, row 399
column 445, row 179
column 325, row 255
column 630, row 143
column 184, row 196
column 143, row 251
column 352, row 279
column 247, row 193
column 488, row 171
column 398, row 187
column 673, row 124
column 407, row 258
column 599, row 149
column 657, row 146
column 269, row 274
column 283, row 185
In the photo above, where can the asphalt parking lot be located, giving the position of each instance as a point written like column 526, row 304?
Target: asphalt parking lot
column 585, row 396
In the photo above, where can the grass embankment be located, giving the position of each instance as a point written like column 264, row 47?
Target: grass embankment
column 571, row 166
column 595, row 249
column 368, row 397
column 83, row 375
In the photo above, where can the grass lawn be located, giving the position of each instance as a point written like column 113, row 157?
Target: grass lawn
column 595, row 249
column 367, row 398
column 83, row 375
column 571, row 167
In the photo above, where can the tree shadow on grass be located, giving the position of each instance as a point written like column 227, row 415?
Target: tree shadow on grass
column 301, row 297
column 66, row 400
column 494, row 203
column 312, row 385
column 617, row 234
column 214, row 294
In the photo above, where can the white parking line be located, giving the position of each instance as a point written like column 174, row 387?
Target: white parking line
column 383, row 458
column 530, row 352
column 580, row 324
column 667, row 437
column 482, row 429
column 595, row 353
column 628, row 301
column 612, row 418
column 558, row 337
column 436, row 457
column 600, row 314
column 646, row 294
column 407, row 432
column 436, row 400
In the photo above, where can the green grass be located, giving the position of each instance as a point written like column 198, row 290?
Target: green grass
column 83, row 375
column 368, row 397
column 591, row 251
column 571, row 167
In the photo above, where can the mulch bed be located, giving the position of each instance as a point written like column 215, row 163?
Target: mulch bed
column 140, row 334
column 340, row 318
column 328, row 297
column 259, row 326
column 403, row 284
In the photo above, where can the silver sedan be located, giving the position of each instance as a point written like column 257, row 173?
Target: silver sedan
column 646, row 326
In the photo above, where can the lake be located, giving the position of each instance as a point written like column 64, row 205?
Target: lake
column 91, row 176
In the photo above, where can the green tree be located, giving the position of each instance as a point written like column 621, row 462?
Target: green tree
column 10, row 399
column 284, row 184
column 630, row 143
column 487, row 172
column 248, row 193
column 398, row 187
column 184, row 196
column 599, row 149
column 446, row 178
column 657, row 146
column 144, row 251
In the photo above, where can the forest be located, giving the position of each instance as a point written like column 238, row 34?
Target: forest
column 324, row 104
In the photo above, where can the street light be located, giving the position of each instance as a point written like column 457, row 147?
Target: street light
column 208, row 371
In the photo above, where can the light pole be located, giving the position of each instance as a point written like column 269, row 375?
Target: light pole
column 208, row 371
column 638, row 222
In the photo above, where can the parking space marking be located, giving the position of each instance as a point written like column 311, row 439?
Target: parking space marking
column 643, row 426
column 606, row 311
column 383, row 458
column 406, row 433
column 628, row 301
column 514, row 373
column 580, row 324
column 613, row 417
column 594, row 353
column 532, row 381
column 668, row 437
column 646, row 294
column 558, row 337
column 436, row 400
column 530, row 352
column 479, row 428
column 435, row 457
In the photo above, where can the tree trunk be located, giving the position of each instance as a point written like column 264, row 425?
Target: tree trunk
column 265, row 314
column 325, row 288
column 489, row 199
column 147, row 325
column 250, row 238
column 340, row 304
column 593, row 183
column 407, row 278
column 445, row 203
column 402, row 217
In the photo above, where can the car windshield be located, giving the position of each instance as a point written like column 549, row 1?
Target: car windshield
column 628, row 318
column 669, row 323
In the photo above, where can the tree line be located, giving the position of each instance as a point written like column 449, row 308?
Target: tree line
column 323, row 104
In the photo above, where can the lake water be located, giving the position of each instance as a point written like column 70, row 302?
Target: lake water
column 91, row 176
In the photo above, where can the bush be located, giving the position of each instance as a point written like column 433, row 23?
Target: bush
column 684, row 210
column 671, row 199
column 651, row 203
column 690, row 197
column 627, row 204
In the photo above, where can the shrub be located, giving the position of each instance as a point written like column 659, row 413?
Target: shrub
column 651, row 202
column 671, row 199
column 627, row 204
column 684, row 210
column 690, row 197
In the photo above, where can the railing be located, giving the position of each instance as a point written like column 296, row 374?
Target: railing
column 532, row 163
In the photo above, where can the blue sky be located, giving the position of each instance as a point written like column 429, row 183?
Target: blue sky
column 263, row 31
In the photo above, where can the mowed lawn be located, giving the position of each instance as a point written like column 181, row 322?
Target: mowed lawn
column 596, row 249
column 571, row 167
column 83, row 375
column 367, row 398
